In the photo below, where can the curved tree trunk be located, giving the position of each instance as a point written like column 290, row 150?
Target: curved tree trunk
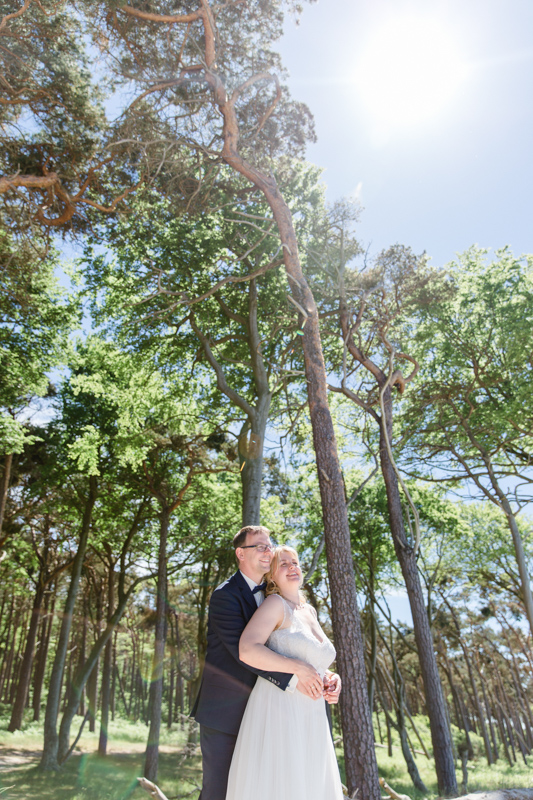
column 358, row 735
column 156, row 685
column 440, row 731
column 525, row 580
column 49, row 759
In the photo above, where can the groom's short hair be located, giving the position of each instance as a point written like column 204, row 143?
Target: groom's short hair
column 239, row 540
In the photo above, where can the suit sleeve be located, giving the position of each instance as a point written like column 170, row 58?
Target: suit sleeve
column 224, row 611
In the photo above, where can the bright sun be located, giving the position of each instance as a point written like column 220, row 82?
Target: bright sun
column 409, row 72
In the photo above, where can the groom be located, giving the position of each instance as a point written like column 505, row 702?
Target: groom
column 227, row 682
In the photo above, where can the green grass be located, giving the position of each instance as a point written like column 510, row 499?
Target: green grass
column 87, row 777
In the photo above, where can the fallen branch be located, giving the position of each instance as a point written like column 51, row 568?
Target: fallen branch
column 155, row 792
column 152, row 789
column 390, row 791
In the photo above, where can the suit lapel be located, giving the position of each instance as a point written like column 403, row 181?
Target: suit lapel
column 246, row 592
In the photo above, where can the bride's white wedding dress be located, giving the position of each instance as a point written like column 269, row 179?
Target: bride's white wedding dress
column 284, row 750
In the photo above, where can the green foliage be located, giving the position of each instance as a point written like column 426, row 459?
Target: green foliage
column 52, row 116
column 473, row 400
column 36, row 318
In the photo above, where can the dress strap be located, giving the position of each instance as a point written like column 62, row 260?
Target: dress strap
column 287, row 614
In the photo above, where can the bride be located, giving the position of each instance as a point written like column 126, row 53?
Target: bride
column 284, row 749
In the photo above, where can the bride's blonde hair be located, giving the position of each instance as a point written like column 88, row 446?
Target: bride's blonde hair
column 271, row 585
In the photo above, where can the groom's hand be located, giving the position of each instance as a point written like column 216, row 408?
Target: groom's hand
column 309, row 681
column 332, row 688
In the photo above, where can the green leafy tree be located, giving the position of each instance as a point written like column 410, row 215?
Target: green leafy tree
column 53, row 162
column 156, row 286
column 471, row 418
column 36, row 318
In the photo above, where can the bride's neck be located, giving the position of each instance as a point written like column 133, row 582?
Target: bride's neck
column 293, row 597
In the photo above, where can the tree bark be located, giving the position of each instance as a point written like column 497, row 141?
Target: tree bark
column 92, row 683
column 251, row 444
column 395, row 688
column 107, row 667
column 440, row 731
column 156, row 685
column 49, row 759
column 4, row 489
column 358, row 735
column 15, row 723
column 82, row 676
column 6, row 632
column 42, row 653
column 520, row 560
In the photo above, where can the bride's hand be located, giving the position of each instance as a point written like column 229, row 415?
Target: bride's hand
column 309, row 681
column 332, row 688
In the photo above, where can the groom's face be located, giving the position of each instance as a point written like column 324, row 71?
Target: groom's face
column 251, row 561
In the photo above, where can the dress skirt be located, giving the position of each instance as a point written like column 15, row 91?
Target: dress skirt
column 284, row 750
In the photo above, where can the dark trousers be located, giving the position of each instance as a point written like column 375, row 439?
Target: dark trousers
column 217, row 751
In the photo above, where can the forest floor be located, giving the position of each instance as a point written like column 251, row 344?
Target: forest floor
column 86, row 776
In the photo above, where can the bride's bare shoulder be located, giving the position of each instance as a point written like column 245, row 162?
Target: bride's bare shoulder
column 280, row 608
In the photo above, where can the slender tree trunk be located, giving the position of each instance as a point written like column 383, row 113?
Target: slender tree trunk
column 440, row 731
column 399, row 726
column 506, row 722
column 83, row 649
column 520, row 556
column 480, row 715
column 50, row 747
column 156, row 685
column 4, row 489
column 19, row 705
column 462, row 721
column 114, row 681
column 6, row 639
column 170, row 697
column 251, row 444
column 107, row 667
column 92, row 683
column 42, row 653
column 488, row 713
column 373, row 652
column 82, row 676
column 11, row 657
column 501, row 728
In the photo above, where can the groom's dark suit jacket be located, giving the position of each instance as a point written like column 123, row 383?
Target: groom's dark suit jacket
column 227, row 682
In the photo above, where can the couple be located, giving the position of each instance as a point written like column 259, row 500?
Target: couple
column 269, row 737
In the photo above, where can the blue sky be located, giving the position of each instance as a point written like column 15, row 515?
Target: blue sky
column 438, row 150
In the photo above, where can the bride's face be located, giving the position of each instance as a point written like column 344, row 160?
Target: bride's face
column 288, row 574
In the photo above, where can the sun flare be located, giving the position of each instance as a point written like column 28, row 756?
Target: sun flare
column 409, row 72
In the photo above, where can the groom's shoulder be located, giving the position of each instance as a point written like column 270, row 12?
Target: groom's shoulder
column 229, row 586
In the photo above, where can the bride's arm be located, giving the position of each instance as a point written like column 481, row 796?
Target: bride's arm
column 253, row 651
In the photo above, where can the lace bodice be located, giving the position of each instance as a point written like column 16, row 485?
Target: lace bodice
column 297, row 640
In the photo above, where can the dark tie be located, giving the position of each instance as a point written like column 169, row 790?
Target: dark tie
column 260, row 588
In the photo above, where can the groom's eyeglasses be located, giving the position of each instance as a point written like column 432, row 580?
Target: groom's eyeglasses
column 261, row 548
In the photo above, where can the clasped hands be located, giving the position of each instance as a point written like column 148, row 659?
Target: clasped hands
column 311, row 684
